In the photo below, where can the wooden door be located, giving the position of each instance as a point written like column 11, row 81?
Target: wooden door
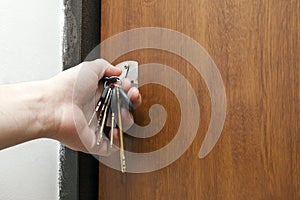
column 256, row 47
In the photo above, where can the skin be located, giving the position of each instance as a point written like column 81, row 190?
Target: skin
column 60, row 108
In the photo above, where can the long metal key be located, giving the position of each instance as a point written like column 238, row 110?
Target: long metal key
column 107, row 80
column 122, row 154
column 100, row 102
column 103, row 116
column 104, row 119
column 114, row 113
column 113, row 97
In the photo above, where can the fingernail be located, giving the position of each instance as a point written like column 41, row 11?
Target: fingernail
column 118, row 70
column 136, row 92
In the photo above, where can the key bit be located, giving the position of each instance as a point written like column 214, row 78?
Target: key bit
column 112, row 129
column 114, row 112
column 106, row 101
column 102, row 116
column 103, row 121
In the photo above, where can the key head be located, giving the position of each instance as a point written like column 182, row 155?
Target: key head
column 104, row 93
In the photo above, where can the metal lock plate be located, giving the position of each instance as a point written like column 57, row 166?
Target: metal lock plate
column 130, row 71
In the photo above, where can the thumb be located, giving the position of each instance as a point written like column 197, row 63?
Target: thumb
column 101, row 67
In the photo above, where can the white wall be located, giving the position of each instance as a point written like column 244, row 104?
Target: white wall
column 30, row 49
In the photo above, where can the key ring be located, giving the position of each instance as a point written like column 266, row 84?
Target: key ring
column 108, row 80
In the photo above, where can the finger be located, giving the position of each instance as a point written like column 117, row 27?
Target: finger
column 135, row 96
column 87, row 141
column 112, row 71
column 104, row 149
column 126, row 84
column 101, row 67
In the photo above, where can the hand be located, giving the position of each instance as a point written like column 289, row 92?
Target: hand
column 75, row 93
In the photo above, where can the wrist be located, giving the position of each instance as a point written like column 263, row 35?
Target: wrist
column 49, row 111
column 40, row 105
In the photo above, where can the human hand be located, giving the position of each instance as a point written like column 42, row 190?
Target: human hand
column 76, row 92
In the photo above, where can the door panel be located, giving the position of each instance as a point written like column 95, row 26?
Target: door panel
column 255, row 45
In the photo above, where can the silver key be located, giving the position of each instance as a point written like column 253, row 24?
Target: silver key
column 114, row 113
column 103, row 116
column 100, row 102
column 112, row 129
column 113, row 97
column 122, row 154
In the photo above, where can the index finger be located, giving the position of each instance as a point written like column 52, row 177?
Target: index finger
column 112, row 71
column 103, row 68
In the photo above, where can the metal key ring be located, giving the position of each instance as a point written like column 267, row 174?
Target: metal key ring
column 110, row 80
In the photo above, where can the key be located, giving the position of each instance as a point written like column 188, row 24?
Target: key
column 103, row 116
column 112, row 129
column 122, row 155
column 107, row 80
column 100, row 102
column 114, row 110
column 113, row 97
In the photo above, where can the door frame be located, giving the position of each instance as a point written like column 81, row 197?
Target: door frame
column 79, row 172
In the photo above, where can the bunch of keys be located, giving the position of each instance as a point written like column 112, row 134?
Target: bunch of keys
column 112, row 99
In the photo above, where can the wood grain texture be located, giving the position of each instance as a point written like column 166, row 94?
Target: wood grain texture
column 256, row 46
